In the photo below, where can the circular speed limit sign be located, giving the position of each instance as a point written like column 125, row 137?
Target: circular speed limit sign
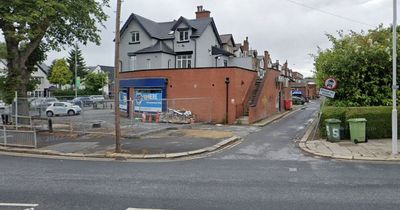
column 330, row 83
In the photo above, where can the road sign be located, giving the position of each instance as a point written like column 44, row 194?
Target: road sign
column 327, row 93
column 330, row 83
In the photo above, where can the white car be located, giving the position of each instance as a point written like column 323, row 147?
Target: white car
column 62, row 108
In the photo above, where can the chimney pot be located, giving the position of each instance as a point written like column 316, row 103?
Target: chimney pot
column 202, row 13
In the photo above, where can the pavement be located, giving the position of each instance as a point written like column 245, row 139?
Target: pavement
column 373, row 150
column 145, row 140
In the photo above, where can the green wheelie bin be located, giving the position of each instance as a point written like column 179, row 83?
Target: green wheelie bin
column 333, row 130
column 357, row 130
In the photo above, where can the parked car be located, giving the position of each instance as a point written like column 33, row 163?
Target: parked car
column 97, row 99
column 42, row 103
column 62, row 108
column 82, row 101
column 298, row 100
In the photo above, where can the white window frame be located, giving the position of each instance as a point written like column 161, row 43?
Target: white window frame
column 132, row 62
column 148, row 63
column 184, row 35
column 135, row 37
column 184, row 61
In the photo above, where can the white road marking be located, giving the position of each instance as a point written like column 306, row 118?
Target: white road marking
column 30, row 205
column 292, row 169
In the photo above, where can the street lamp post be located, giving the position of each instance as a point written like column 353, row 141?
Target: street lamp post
column 76, row 70
column 394, row 86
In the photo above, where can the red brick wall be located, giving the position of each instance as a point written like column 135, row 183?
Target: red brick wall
column 312, row 90
column 207, row 83
column 266, row 104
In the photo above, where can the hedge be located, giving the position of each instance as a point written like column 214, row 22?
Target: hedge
column 70, row 94
column 379, row 119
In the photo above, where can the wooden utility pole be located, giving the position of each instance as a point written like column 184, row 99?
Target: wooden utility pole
column 116, row 79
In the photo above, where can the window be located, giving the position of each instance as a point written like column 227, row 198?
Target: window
column 225, row 63
column 183, row 36
column 148, row 63
column 135, row 37
column 184, row 61
column 132, row 63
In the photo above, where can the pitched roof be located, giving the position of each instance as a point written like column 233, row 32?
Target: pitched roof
column 106, row 69
column 238, row 46
column 226, row 37
column 161, row 30
column 45, row 68
column 158, row 47
column 219, row 51
column 153, row 29
column 42, row 66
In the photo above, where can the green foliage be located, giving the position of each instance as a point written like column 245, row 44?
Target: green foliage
column 95, row 81
column 28, row 24
column 3, row 50
column 362, row 64
column 71, row 93
column 60, row 74
column 80, row 63
column 378, row 119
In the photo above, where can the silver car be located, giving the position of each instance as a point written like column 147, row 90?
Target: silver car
column 62, row 108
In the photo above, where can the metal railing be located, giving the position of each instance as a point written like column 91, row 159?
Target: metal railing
column 18, row 138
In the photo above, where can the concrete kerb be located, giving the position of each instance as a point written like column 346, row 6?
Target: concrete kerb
column 303, row 145
column 215, row 147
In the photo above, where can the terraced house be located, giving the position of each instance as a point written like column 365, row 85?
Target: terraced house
column 182, row 43
column 188, row 58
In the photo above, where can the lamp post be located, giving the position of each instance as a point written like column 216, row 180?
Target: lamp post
column 76, row 69
column 394, row 86
column 116, row 79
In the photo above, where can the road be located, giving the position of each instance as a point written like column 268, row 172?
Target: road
column 265, row 171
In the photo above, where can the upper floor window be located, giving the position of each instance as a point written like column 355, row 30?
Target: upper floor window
column 148, row 63
column 135, row 37
column 183, row 35
column 184, row 61
column 132, row 63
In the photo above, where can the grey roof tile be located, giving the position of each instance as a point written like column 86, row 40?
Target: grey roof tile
column 160, row 46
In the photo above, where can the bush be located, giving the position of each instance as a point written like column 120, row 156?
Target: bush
column 379, row 119
column 71, row 93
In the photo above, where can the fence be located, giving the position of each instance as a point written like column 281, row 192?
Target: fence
column 98, row 116
column 19, row 138
column 179, row 110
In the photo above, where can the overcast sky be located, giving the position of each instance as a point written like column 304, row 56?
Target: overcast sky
column 289, row 29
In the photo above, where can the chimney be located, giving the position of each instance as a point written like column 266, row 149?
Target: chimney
column 202, row 13
column 245, row 46
column 267, row 59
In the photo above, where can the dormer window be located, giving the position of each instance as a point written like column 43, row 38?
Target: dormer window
column 184, row 35
column 135, row 37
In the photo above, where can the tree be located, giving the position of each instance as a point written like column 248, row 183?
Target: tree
column 51, row 23
column 362, row 64
column 60, row 74
column 3, row 50
column 37, row 56
column 80, row 63
column 95, row 81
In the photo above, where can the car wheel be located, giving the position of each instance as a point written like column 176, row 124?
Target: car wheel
column 49, row 114
column 71, row 112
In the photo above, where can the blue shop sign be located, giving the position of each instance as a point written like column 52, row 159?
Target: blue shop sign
column 148, row 100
